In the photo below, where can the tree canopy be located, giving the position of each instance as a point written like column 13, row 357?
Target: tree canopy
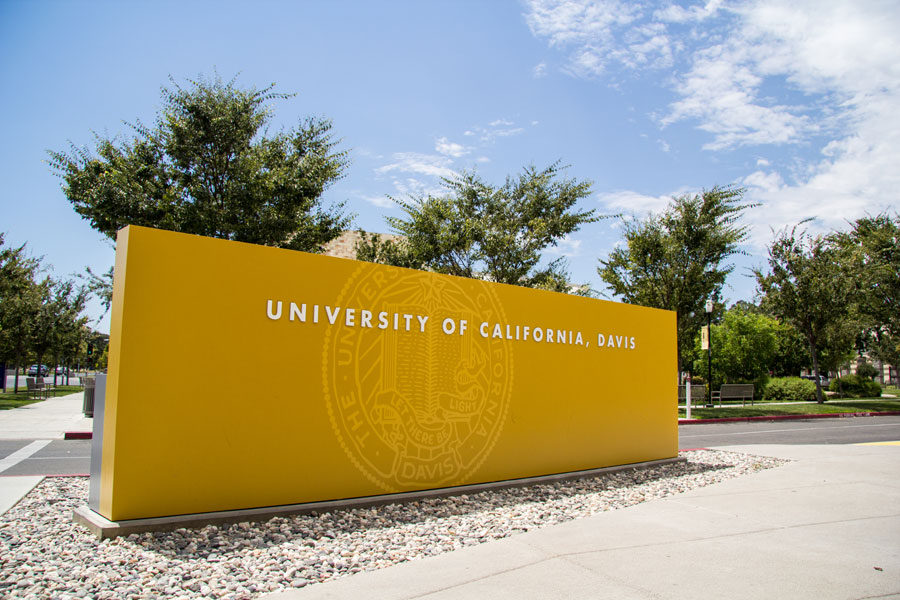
column 873, row 248
column 809, row 285
column 209, row 166
column 478, row 230
column 746, row 346
column 678, row 259
column 38, row 318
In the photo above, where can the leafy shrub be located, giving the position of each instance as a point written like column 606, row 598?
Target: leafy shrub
column 854, row 386
column 866, row 370
column 790, row 389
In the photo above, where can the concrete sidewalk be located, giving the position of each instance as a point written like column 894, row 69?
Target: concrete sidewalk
column 825, row 526
column 47, row 420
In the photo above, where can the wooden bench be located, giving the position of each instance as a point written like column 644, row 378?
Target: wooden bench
column 734, row 391
column 698, row 393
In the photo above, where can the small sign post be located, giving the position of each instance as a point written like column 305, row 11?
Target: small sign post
column 687, row 396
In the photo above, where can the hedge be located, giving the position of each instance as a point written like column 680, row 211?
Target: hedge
column 790, row 389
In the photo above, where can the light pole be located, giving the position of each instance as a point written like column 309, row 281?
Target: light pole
column 709, row 309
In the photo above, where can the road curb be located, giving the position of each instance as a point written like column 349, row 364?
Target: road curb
column 786, row 417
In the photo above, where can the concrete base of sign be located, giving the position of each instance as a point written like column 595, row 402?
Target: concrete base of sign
column 104, row 528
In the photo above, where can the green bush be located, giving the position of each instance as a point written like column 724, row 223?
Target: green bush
column 854, row 386
column 789, row 389
column 866, row 370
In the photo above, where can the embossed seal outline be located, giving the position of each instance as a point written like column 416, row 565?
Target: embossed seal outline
column 402, row 424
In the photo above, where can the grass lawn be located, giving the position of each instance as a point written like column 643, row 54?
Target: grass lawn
column 831, row 406
column 10, row 400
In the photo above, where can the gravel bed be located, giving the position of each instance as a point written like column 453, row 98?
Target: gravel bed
column 43, row 554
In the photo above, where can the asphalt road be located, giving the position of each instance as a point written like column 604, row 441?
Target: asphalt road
column 72, row 457
column 59, row 457
column 856, row 430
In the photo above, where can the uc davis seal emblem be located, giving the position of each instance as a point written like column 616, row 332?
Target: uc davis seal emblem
column 414, row 404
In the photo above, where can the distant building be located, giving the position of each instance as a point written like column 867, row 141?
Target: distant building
column 345, row 245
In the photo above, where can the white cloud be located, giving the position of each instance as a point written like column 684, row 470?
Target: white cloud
column 767, row 182
column 566, row 247
column 448, row 148
column 628, row 202
column 599, row 32
column 495, row 129
column 539, row 70
column 415, row 187
column 420, row 173
column 507, row 132
column 721, row 91
column 821, row 77
column 423, row 164
column 678, row 14
column 379, row 201
column 843, row 58
column 663, row 145
column 848, row 57
column 567, row 22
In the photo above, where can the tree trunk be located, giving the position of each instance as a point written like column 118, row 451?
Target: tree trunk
column 819, row 395
column 40, row 358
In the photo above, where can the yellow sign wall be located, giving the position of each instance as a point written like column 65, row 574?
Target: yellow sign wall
column 242, row 376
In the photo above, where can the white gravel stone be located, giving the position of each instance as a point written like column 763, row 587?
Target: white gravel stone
column 44, row 554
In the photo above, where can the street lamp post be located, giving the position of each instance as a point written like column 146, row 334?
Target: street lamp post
column 709, row 309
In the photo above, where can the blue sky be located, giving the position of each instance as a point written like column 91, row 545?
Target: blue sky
column 797, row 102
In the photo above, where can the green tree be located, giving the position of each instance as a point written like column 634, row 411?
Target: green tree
column 677, row 260
column 19, row 303
column 809, row 285
column 866, row 370
column 70, row 324
column 746, row 346
column 100, row 357
column 488, row 232
column 886, row 348
column 873, row 248
column 100, row 286
column 209, row 167
column 59, row 317
column 838, row 344
column 791, row 352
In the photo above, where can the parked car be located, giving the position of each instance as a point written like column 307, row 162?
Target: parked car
column 34, row 371
column 822, row 379
column 60, row 370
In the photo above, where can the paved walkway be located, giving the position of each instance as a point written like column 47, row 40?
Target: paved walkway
column 825, row 526
column 47, row 420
